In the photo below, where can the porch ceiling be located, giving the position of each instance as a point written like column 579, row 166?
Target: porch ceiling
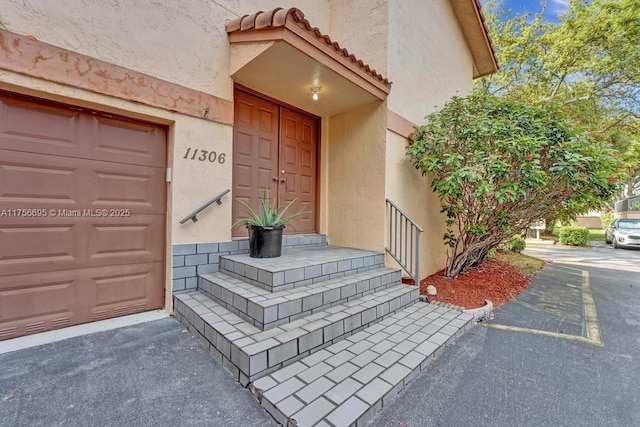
column 279, row 54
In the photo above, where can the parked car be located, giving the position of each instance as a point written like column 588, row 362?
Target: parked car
column 623, row 233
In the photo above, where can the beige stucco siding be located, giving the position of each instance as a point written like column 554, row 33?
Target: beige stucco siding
column 429, row 60
column 196, row 182
column 181, row 42
column 362, row 27
column 356, row 170
column 416, row 44
column 411, row 191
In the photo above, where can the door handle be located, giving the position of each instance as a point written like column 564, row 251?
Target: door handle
column 275, row 179
column 282, row 180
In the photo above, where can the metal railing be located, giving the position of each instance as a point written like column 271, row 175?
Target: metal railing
column 193, row 215
column 404, row 241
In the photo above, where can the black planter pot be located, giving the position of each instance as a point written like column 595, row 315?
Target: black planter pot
column 265, row 242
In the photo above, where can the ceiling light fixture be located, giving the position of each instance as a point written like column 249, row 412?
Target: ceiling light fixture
column 315, row 90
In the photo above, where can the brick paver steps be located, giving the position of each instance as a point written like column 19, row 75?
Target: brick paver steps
column 300, row 267
column 248, row 352
column 323, row 335
column 266, row 310
column 346, row 383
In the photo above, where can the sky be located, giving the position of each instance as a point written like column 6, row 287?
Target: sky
column 554, row 7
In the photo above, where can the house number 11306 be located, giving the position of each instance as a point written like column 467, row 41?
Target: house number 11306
column 204, row 155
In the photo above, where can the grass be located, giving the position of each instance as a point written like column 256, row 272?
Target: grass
column 596, row 235
column 526, row 264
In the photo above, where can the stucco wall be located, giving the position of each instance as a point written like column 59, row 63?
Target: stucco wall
column 429, row 60
column 589, row 221
column 196, row 182
column 407, row 188
column 362, row 27
column 356, row 178
column 181, row 42
column 423, row 53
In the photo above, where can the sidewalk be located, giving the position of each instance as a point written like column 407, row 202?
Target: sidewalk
column 534, row 242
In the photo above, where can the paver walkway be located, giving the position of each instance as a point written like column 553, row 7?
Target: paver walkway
column 348, row 382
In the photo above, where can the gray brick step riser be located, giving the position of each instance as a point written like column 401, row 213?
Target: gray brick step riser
column 246, row 363
column 345, row 384
column 191, row 259
column 276, row 315
column 302, row 276
column 294, row 241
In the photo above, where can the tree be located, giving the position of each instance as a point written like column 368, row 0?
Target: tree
column 498, row 165
column 588, row 63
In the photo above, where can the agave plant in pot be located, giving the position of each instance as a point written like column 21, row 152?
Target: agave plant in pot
column 265, row 226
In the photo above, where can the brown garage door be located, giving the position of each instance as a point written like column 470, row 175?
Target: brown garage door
column 82, row 216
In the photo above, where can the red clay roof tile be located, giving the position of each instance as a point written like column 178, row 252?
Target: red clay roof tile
column 278, row 18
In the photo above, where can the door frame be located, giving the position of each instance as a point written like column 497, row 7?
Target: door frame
column 241, row 88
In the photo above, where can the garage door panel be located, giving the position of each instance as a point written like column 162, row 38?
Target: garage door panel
column 27, row 245
column 57, row 130
column 144, row 241
column 29, row 181
column 120, row 141
column 38, row 128
column 45, row 298
column 39, row 302
column 130, row 290
column 38, row 181
column 118, row 186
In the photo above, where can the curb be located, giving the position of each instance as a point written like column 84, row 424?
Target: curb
column 424, row 298
column 482, row 313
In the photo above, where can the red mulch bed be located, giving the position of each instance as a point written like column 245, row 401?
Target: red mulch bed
column 494, row 280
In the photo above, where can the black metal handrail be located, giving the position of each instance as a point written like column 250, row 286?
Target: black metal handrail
column 193, row 215
column 404, row 241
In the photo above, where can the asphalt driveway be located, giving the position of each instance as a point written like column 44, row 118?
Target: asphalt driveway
column 544, row 360
column 151, row 374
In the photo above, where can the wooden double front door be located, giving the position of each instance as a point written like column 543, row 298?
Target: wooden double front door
column 274, row 147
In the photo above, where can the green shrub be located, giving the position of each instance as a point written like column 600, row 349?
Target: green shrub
column 514, row 244
column 574, row 236
column 606, row 218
